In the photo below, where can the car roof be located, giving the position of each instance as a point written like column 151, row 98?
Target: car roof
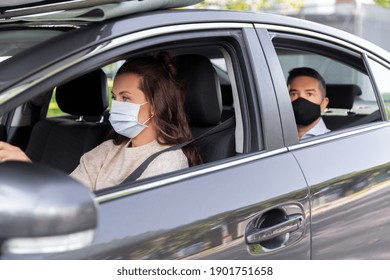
column 82, row 10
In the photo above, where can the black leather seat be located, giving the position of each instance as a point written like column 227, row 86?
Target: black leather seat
column 204, row 107
column 341, row 96
column 61, row 141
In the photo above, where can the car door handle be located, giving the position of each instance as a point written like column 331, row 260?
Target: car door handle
column 293, row 223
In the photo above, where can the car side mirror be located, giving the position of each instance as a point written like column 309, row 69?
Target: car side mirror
column 43, row 210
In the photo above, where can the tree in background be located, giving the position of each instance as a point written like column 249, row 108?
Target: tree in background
column 384, row 3
column 251, row 5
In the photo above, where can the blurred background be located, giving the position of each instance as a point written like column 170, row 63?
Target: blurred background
column 369, row 19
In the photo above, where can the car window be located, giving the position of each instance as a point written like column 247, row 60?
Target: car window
column 230, row 88
column 220, row 61
column 223, row 62
column 198, row 125
column 346, row 79
column 382, row 74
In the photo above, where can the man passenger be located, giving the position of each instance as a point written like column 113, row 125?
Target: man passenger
column 307, row 91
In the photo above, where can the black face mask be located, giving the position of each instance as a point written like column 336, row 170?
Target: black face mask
column 305, row 112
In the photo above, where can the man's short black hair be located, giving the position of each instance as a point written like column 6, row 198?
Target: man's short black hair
column 310, row 72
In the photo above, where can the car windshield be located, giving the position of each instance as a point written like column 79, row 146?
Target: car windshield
column 15, row 41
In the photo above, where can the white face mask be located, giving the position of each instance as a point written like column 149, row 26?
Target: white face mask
column 124, row 118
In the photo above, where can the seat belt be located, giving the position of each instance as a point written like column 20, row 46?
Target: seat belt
column 141, row 168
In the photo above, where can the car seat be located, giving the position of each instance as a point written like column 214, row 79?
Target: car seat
column 204, row 106
column 341, row 97
column 61, row 141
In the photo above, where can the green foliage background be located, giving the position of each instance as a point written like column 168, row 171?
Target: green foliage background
column 249, row 5
column 384, row 3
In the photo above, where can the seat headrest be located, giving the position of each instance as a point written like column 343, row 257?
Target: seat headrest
column 203, row 99
column 342, row 95
column 84, row 96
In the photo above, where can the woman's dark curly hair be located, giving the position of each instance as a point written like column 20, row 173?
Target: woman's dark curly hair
column 166, row 95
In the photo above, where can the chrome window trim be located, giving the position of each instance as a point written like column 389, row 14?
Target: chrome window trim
column 378, row 60
column 120, row 41
column 177, row 178
column 327, row 138
column 321, row 36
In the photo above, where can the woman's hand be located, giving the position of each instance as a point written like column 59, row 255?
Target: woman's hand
column 10, row 152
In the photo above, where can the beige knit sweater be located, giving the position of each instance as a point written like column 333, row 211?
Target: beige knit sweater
column 108, row 164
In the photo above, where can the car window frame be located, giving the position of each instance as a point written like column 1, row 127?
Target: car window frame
column 371, row 64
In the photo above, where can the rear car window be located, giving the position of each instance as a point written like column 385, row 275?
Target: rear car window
column 352, row 98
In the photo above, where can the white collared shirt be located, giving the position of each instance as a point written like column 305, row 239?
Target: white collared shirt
column 318, row 129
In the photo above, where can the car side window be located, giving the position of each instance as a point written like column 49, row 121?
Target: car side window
column 350, row 91
column 382, row 74
column 219, row 102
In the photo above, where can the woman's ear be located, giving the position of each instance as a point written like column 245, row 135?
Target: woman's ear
column 151, row 111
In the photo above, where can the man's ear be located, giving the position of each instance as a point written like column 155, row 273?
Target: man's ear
column 324, row 104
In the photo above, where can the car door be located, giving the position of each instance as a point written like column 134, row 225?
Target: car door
column 235, row 208
column 347, row 169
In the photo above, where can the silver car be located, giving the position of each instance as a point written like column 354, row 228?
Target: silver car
column 260, row 193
